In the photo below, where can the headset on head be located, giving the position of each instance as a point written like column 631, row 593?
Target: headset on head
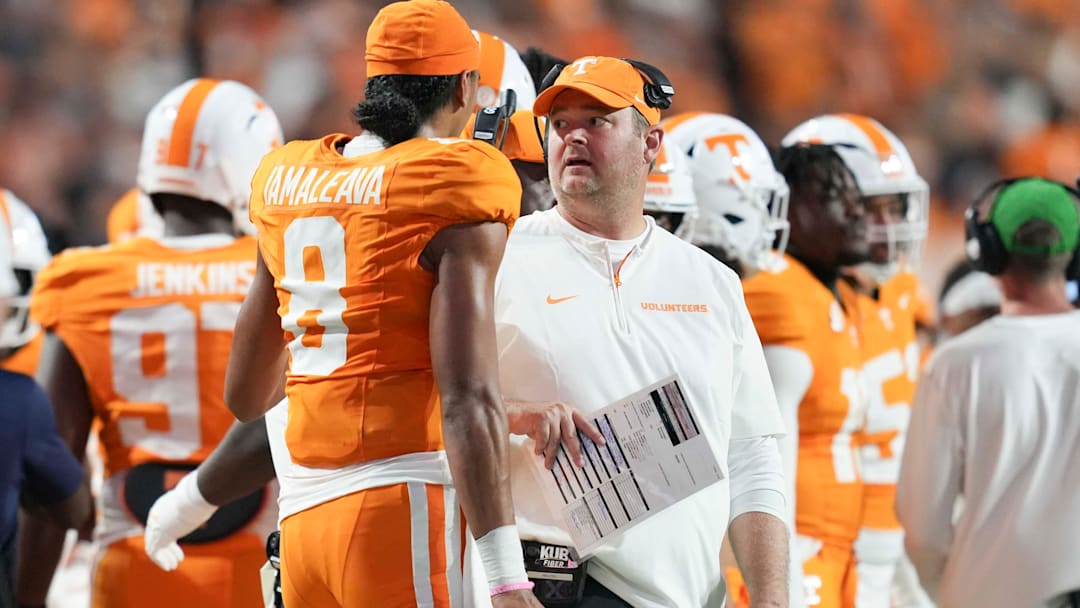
column 657, row 91
column 985, row 248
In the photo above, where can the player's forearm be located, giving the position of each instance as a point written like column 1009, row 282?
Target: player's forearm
column 253, row 380
column 258, row 357
column 239, row 465
column 475, row 434
column 40, row 544
column 760, row 544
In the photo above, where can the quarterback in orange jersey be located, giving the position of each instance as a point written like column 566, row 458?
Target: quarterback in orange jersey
column 138, row 340
column 812, row 349
column 378, row 255
column 21, row 336
column 884, row 292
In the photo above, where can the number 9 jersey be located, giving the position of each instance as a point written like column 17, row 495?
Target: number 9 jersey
column 342, row 235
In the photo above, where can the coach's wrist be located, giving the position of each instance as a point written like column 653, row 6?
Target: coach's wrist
column 516, row 417
column 507, row 588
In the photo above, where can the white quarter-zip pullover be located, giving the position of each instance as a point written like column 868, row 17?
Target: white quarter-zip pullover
column 587, row 321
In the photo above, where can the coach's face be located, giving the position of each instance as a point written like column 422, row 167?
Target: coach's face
column 597, row 151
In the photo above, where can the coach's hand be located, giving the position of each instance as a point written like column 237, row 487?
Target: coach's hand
column 515, row 599
column 548, row 424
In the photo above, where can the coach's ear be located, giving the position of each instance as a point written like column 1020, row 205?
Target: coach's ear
column 654, row 137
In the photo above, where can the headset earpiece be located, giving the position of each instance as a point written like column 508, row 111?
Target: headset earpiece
column 658, row 90
column 984, row 246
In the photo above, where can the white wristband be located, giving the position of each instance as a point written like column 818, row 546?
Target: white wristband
column 500, row 551
column 188, row 489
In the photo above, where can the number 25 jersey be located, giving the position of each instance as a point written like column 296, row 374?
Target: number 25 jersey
column 342, row 237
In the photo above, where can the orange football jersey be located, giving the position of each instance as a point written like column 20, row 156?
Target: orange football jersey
column 25, row 360
column 123, row 220
column 889, row 371
column 151, row 327
column 342, row 238
column 792, row 308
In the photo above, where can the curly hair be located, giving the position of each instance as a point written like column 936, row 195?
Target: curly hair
column 395, row 106
column 812, row 168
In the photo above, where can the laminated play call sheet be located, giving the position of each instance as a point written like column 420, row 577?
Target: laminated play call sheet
column 655, row 456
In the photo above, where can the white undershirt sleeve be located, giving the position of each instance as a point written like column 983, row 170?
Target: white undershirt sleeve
column 754, row 412
column 791, row 372
column 756, row 477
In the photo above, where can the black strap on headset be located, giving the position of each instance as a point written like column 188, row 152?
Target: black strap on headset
column 974, row 210
column 994, row 187
column 657, row 91
column 551, row 76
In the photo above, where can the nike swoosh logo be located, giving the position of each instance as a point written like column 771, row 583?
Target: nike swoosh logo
column 551, row 300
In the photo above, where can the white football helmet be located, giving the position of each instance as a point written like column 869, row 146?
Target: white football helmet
column 670, row 189
column 501, row 68
column 205, row 139
column 742, row 200
column 9, row 285
column 882, row 166
column 30, row 253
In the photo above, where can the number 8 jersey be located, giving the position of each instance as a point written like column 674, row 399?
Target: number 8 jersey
column 342, row 234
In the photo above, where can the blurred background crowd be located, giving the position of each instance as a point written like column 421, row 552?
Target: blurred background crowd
column 975, row 88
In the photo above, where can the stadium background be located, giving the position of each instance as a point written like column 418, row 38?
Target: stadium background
column 973, row 87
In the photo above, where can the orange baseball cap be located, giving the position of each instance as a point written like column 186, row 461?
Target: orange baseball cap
column 613, row 82
column 420, row 38
column 522, row 141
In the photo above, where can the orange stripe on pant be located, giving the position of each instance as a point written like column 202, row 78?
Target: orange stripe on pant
column 394, row 546
column 221, row 574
